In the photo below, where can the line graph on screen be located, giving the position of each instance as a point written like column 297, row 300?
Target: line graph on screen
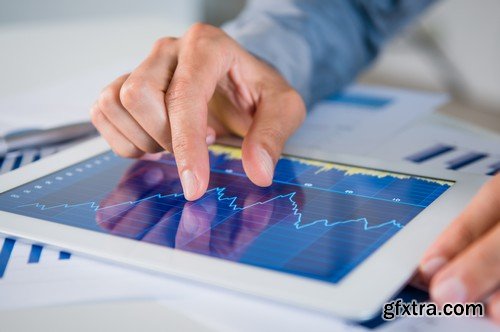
column 220, row 193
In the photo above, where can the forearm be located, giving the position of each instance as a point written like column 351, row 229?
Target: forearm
column 319, row 46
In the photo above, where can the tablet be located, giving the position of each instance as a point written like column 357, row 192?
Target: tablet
column 338, row 236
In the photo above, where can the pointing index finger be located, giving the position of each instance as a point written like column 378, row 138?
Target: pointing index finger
column 201, row 64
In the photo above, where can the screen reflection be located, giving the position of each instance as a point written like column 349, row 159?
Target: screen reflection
column 216, row 225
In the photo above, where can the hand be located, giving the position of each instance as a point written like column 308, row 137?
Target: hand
column 464, row 264
column 191, row 89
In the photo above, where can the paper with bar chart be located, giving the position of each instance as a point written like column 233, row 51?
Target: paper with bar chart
column 318, row 219
column 31, row 275
column 457, row 148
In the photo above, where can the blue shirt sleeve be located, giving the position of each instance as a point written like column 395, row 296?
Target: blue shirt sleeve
column 319, row 46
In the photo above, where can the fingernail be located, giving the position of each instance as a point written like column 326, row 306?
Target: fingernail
column 430, row 267
column 210, row 139
column 189, row 183
column 450, row 290
column 267, row 162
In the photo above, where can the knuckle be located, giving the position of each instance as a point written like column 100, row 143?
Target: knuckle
column 108, row 99
column 163, row 45
column 201, row 29
column 96, row 115
column 204, row 46
column 203, row 37
column 133, row 92
column 164, row 42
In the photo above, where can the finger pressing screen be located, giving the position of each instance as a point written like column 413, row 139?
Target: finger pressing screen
column 201, row 64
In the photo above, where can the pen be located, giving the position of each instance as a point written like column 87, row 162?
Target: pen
column 45, row 137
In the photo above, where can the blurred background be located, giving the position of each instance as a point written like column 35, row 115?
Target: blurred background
column 454, row 48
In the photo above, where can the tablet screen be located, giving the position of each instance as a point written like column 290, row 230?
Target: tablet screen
column 318, row 219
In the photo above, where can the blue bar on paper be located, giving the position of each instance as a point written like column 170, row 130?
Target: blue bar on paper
column 360, row 100
column 63, row 255
column 8, row 246
column 37, row 157
column 35, row 253
column 430, row 153
column 466, row 160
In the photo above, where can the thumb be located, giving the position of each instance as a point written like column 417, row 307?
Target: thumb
column 275, row 120
column 481, row 215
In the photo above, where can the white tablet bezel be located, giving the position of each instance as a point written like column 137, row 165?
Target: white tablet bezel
column 358, row 296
